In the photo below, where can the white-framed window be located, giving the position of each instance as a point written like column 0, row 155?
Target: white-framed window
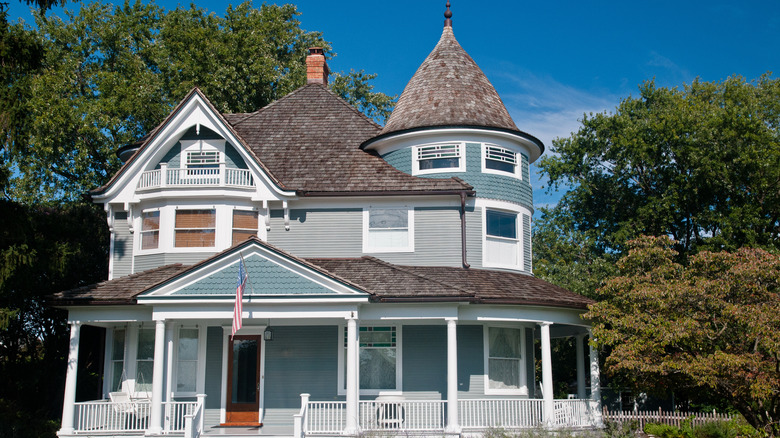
column 388, row 229
column 244, row 225
column 502, row 242
column 201, row 159
column 150, row 229
column 187, row 352
column 195, row 228
column 379, row 357
column 438, row 158
column 500, row 161
column 144, row 361
column 505, row 367
column 117, row 359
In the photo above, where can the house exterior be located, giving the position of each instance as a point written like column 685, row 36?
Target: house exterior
column 389, row 281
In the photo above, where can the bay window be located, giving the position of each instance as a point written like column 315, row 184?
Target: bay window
column 244, row 225
column 150, row 229
column 195, row 228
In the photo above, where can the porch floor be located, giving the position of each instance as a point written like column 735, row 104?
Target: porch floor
column 264, row 431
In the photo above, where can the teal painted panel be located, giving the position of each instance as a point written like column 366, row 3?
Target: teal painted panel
column 172, row 157
column 471, row 359
column 425, row 358
column 122, row 255
column 527, row 243
column 232, row 158
column 301, row 360
column 488, row 186
column 213, row 367
column 265, row 278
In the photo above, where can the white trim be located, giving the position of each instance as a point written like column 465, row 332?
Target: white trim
column 518, row 173
column 340, row 381
column 518, row 241
column 523, row 363
column 460, row 154
column 368, row 248
column 200, row 361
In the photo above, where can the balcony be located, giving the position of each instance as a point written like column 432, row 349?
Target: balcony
column 220, row 176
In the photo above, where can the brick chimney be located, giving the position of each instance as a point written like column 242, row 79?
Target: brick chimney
column 316, row 68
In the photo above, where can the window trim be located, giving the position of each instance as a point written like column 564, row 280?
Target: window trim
column 518, row 173
column 523, row 389
column 368, row 248
column 342, row 353
column 461, row 155
column 142, row 231
column 518, row 241
column 214, row 228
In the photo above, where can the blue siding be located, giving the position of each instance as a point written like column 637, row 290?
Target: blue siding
column 488, row 186
column 527, row 243
column 298, row 360
column 425, row 358
column 214, row 337
column 471, row 359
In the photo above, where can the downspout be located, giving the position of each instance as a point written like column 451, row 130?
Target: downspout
column 463, row 229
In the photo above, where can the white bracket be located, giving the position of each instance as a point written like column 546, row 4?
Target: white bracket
column 286, row 216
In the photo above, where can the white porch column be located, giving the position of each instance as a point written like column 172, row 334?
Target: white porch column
column 579, row 339
column 155, row 417
column 453, row 425
column 595, row 383
column 353, row 391
column 69, row 405
column 547, row 381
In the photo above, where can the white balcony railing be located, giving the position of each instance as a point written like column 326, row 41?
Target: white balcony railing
column 401, row 415
column 176, row 413
column 196, row 177
column 102, row 416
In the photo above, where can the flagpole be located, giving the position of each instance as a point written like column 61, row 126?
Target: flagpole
column 248, row 278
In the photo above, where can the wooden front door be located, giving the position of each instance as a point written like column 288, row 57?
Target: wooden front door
column 243, row 395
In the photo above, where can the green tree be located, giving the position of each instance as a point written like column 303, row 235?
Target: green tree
column 112, row 74
column 700, row 164
column 355, row 87
column 713, row 324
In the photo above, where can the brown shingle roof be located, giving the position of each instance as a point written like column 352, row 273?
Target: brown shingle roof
column 310, row 140
column 449, row 89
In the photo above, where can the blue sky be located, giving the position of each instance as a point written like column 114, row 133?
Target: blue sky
column 551, row 61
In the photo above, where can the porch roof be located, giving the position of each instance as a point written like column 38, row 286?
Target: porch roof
column 383, row 281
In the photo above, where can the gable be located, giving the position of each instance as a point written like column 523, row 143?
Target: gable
column 271, row 273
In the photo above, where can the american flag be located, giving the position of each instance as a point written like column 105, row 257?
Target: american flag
column 238, row 309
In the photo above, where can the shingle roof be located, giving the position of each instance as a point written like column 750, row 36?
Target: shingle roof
column 385, row 282
column 310, row 140
column 449, row 89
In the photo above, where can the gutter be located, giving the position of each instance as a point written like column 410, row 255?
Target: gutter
column 463, row 229
column 312, row 194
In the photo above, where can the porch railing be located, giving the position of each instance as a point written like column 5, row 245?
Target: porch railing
column 506, row 413
column 325, row 417
column 574, row 413
column 189, row 177
column 176, row 413
column 105, row 416
column 401, row 415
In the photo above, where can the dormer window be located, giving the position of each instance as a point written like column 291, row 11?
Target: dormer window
column 202, row 157
column 501, row 161
column 437, row 158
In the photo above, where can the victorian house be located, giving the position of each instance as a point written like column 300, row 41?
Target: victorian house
column 387, row 272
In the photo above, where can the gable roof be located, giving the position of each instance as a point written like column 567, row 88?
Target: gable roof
column 310, row 139
column 449, row 89
column 383, row 281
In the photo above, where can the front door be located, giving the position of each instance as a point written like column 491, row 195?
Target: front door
column 243, row 400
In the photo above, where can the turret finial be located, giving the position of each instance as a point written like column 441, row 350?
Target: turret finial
column 448, row 16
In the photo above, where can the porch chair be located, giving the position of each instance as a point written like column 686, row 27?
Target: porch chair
column 389, row 413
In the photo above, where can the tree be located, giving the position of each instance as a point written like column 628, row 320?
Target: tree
column 700, row 164
column 713, row 324
column 355, row 87
column 111, row 75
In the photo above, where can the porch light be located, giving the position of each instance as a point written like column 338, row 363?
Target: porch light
column 268, row 334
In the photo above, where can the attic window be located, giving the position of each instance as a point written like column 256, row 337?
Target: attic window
column 202, row 159
column 438, row 158
column 500, row 160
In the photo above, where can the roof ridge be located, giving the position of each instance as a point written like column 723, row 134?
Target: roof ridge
column 344, row 102
column 403, row 269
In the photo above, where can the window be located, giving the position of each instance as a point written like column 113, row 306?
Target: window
column 144, row 368
column 378, row 358
column 187, row 363
column 117, row 359
column 500, row 160
column 244, row 225
column 502, row 247
column 505, row 366
column 438, row 158
column 195, row 228
column 150, row 229
column 388, row 230
column 202, row 159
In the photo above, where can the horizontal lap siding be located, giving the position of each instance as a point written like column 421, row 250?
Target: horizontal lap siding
column 437, row 239
column 474, row 237
column 122, row 255
column 319, row 233
column 151, row 261
column 424, row 361
column 301, row 360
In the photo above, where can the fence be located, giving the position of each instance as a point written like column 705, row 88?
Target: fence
column 672, row 418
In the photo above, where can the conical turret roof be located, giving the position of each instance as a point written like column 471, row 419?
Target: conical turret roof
column 449, row 89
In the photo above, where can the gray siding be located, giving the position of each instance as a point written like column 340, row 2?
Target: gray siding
column 298, row 360
column 151, row 261
column 474, row 237
column 425, row 360
column 527, row 243
column 471, row 361
column 122, row 256
column 437, row 240
column 319, row 233
column 213, row 386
